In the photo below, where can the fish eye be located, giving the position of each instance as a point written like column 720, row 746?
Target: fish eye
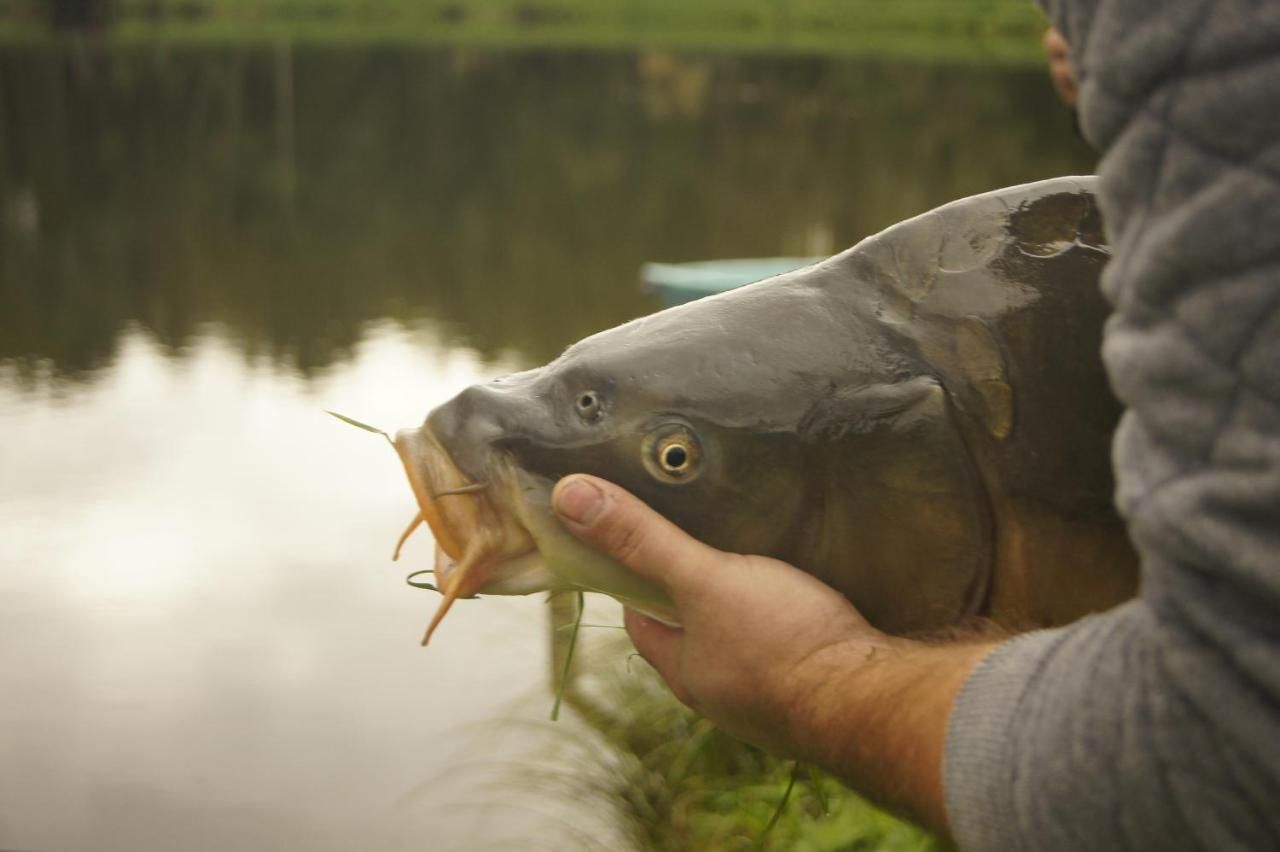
column 588, row 405
column 672, row 454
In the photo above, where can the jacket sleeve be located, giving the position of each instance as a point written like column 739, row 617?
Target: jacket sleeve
column 1157, row 725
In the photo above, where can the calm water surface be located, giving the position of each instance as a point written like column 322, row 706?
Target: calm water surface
column 203, row 644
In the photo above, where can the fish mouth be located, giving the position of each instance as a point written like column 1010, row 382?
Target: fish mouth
column 479, row 546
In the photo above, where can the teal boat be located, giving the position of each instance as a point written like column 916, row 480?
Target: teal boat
column 677, row 283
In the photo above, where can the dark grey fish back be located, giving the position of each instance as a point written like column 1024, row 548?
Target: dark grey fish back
column 1000, row 294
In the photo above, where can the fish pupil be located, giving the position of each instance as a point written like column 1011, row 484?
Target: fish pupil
column 675, row 458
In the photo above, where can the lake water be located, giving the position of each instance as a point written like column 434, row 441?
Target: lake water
column 203, row 643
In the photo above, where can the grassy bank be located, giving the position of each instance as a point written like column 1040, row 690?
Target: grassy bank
column 668, row 780
column 999, row 31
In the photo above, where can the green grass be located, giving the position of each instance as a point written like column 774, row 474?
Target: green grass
column 669, row 780
column 999, row 31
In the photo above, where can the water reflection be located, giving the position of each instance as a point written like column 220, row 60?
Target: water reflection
column 204, row 645
column 295, row 195
column 201, row 643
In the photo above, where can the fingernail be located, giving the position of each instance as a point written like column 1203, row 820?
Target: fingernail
column 579, row 501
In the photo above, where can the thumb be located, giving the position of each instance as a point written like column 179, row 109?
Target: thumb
column 622, row 526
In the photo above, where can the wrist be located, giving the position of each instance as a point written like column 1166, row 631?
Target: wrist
column 874, row 711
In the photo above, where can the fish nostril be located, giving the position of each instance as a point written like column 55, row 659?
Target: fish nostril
column 469, row 421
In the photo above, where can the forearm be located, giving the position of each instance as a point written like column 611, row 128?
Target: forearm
column 876, row 716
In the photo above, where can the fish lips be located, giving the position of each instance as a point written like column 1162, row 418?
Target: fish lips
column 479, row 547
column 430, row 471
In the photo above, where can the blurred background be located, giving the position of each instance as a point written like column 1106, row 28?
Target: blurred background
column 220, row 217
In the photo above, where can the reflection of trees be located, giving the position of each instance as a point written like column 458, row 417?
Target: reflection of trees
column 510, row 196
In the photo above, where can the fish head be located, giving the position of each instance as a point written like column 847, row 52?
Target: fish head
column 693, row 410
column 785, row 419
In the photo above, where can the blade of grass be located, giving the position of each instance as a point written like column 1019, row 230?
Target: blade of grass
column 568, row 659
column 351, row 421
column 758, row 844
column 816, row 783
column 422, row 584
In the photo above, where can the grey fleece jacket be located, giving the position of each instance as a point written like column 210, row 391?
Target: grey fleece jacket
column 1156, row 726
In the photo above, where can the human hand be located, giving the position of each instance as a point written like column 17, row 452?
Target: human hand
column 757, row 637
column 1060, row 74
column 781, row 660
